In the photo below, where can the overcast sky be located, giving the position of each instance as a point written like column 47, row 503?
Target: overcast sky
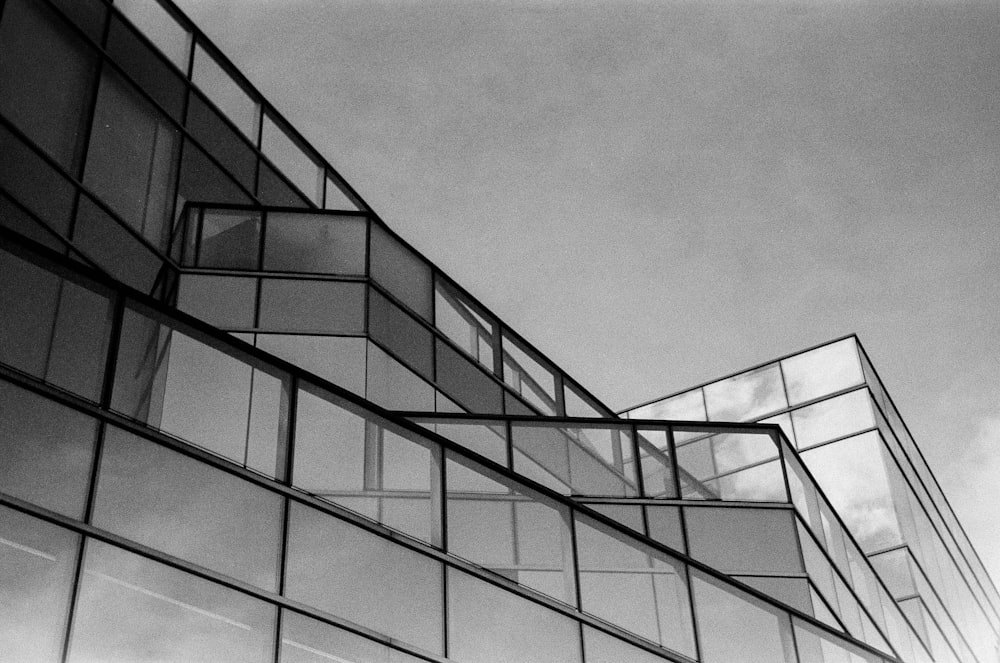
column 658, row 194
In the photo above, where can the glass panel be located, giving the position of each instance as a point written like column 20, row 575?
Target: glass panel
column 785, row 421
column 635, row 587
column 43, row 65
column 131, row 159
column 833, row 418
column 822, row 371
column 394, row 387
column 187, row 508
column 465, row 383
column 329, row 444
column 893, row 567
column 161, row 28
column 103, row 239
column 658, row 478
column 47, row 451
column 590, row 461
column 732, row 626
column 229, row 239
column 625, row 514
column 132, row 609
column 510, row 531
column 145, row 66
column 743, row 540
column 34, row 183
column 321, row 243
column 88, row 15
column 730, row 466
column 665, row 526
column 486, row 624
column 400, row 333
column 353, row 574
column 485, row 437
column 791, row 591
column 227, row 302
column 331, row 307
column 36, row 576
column 336, row 199
column 747, row 396
column 852, row 474
column 816, row 646
column 689, row 406
column 578, row 405
column 222, row 141
column 274, row 191
column 202, row 181
column 528, row 377
column 603, row 648
column 291, row 159
column 341, row 360
column 225, row 93
column 401, row 272
column 53, row 329
column 307, row 640
column 460, row 321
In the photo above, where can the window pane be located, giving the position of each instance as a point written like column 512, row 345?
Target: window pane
column 307, row 640
column 321, row 243
column 203, row 181
column 329, row 445
column 625, row 514
column 734, row 627
column 658, row 469
column 791, row 591
column 822, row 371
column 132, row 609
column 485, row 437
column 274, row 191
column 34, row 183
column 833, row 418
column 223, row 301
column 463, row 324
column 401, row 272
column 458, row 377
column 36, row 576
column 43, row 65
column 222, row 141
column 106, row 241
column 145, row 66
column 730, row 466
column 745, row 397
column 528, row 377
column 665, row 526
column 47, row 451
column 291, row 159
column 341, row 360
column 186, row 508
column 229, row 239
column 331, row 307
column 735, row 540
column 400, row 333
column 603, row 648
column 634, row 587
column 225, row 93
column 689, row 406
column 353, row 574
column 393, row 386
column 815, row 646
column 161, row 28
column 131, row 159
column 486, row 623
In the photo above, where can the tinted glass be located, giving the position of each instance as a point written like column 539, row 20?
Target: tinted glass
column 339, row 359
column 348, row 572
column 822, row 371
column 465, row 383
column 223, row 301
column 735, row 540
column 161, row 28
column 202, row 181
column 321, row 243
column 186, row 508
column 393, row 386
column 226, row 93
column 132, row 609
column 36, row 576
column 229, row 238
column 400, row 333
column 463, row 324
column 47, row 451
column 105, row 240
column 528, row 377
column 145, row 66
column 222, row 141
column 486, row 623
column 401, row 272
column 331, row 307
column 34, row 183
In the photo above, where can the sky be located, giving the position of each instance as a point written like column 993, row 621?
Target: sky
column 657, row 194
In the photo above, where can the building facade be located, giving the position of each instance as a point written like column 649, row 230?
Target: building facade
column 243, row 420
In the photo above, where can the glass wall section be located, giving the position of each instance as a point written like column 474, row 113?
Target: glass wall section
column 462, row 322
column 131, row 159
column 323, row 244
column 308, row 640
column 688, row 406
column 53, row 328
column 401, row 334
column 729, row 466
column 355, row 575
column 46, row 74
column 286, row 153
column 222, row 141
column 639, row 589
column 339, row 359
column 37, row 561
column 744, row 540
column 527, row 375
column 186, row 508
column 146, row 67
column 133, row 609
column 833, row 418
column 47, row 451
column 659, row 477
column 465, row 383
column 312, row 306
column 227, row 95
column 223, row 238
column 822, row 371
column 401, row 272
column 229, row 302
column 395, row 387
column 509, row 530
column 486, row 623
column 745, row 396
column 186, row 386
column 160, row 27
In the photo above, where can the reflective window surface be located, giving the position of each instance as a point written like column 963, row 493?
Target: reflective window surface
column 324, row 244
column 161, row 28
column 743, row 540
column 308, row 640
column 746, row 396
column 822, row 371
column 833, row 418
column 133, row 610
column 401, row 272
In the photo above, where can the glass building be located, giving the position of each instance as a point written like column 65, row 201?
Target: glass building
column 243, row 420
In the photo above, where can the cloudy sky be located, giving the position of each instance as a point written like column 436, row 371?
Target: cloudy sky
column 661, row 193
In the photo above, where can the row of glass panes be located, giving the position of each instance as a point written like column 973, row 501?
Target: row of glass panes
column 155, row 496
column 342, row 245
column 252, row 443
column 236, row 98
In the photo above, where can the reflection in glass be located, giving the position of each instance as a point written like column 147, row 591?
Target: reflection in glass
column 658, row 472
column 689, row 406
column 321, row 243
column 224, row 143
column 133, row 610
column 814, row 646
column 743, row 540
column 735, row 628
column 47, row 451
column 187, row 508
column 161, row 28
column 229, row 239
column 285, row 152
column 400, row 333
column 308, row 640
column 822, row 371
column 639, row 589
column 146, row 67
column 353, row 574
column 395, row 387
column 339, row 359
column 400, row 271
column 746, row 396
column 460, row 379
column 225, row 93
column 603, row 648
column 833, row 418
column 730, row 466
column 528, row 377
column 487, row 624
column 486, row 437
column 460, row 321
column 227, row 302
column 36, row 575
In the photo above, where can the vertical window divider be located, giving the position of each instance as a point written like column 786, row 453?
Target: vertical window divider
column 289, row 433
column 574, row 558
